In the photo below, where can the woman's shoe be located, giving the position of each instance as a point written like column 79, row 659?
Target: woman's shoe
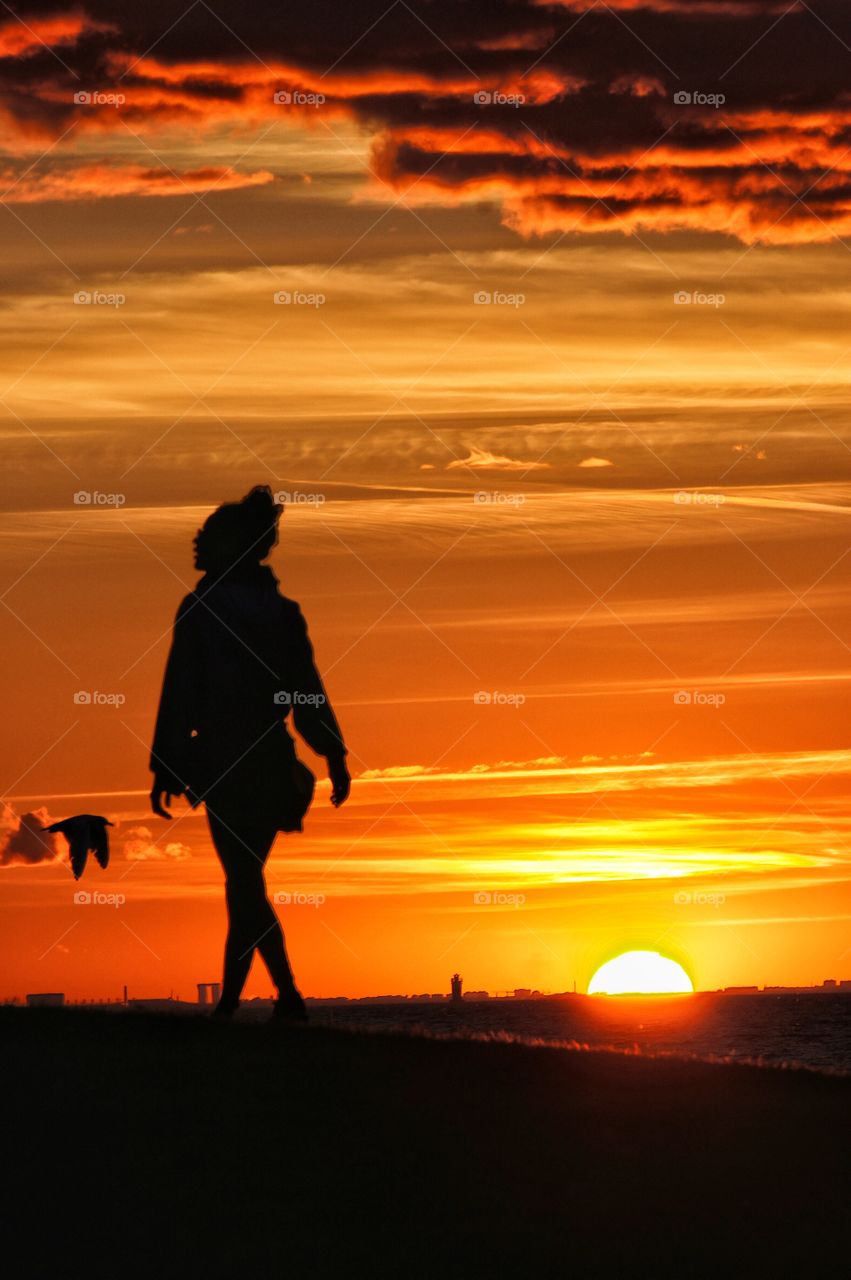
column 289, row 1007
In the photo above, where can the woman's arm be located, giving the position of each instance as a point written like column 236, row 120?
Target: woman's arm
column 313, row 715
column 176, row 715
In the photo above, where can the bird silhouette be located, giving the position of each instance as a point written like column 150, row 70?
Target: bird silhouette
column 84, row 832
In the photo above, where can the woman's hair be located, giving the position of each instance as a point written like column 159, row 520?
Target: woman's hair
column 239, row 534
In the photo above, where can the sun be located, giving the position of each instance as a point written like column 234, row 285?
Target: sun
column 640, row 973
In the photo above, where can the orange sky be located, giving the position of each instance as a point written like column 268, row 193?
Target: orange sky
column 539, row 485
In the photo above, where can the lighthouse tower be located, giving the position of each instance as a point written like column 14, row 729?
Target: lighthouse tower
column 456, row 987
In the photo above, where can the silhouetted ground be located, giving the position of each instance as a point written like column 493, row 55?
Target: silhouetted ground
column 164, row 1146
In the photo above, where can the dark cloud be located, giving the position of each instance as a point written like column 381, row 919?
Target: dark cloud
column 23, row 840
column 707, row 115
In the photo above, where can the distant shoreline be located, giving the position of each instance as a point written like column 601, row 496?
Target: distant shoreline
column 840, row 989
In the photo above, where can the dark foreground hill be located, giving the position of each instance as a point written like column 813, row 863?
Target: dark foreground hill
column 165, row 1146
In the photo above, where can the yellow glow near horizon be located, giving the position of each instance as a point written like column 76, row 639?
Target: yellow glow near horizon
column 640, row 973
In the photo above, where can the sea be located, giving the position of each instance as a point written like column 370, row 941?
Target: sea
column 809, row 1030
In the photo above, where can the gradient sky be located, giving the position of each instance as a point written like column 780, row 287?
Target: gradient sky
column 557, row 387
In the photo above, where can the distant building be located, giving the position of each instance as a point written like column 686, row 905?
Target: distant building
column 829, row 987
column 457, row 982
column 522, row 993
column 741, row 991
column 46, row 1000
column 476, row 995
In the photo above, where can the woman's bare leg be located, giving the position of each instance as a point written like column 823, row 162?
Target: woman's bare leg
column 252, row 922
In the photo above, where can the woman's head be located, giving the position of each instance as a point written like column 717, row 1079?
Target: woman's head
column 238, row 534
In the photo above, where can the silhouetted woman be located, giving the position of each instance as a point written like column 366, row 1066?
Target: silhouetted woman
column 240, row 661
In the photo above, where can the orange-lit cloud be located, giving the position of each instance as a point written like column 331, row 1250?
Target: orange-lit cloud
column 483, row 460
column 540, row 776
column 656, row 115
column 19, row 38
column 140, row 846
column 23, row 840
column 93, row 181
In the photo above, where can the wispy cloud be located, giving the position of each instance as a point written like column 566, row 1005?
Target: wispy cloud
column 483, row 460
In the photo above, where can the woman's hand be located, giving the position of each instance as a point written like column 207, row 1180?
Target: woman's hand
column 341, row 782
column 158, row 791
